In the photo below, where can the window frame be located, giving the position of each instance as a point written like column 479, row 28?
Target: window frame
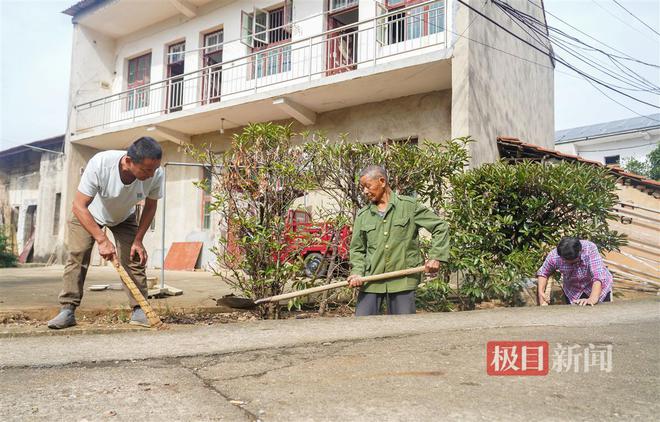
column 138, row 98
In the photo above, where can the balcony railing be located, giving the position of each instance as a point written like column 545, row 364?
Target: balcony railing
column 382, row 39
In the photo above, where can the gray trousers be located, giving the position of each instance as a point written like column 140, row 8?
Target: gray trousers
column 397, row 303
column 80, row 246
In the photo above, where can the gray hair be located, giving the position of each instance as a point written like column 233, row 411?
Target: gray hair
column 373, row 172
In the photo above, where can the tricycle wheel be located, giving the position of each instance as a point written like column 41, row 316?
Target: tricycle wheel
column 315, row 265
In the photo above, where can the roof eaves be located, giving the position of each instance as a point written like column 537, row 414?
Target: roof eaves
column 83, row 6
column 617, row 171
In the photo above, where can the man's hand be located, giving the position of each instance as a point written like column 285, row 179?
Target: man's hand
column 432, row 266
column 543, row 299
column 584, row 302
column 107, row 249
column 138, row 248
column 355, row 280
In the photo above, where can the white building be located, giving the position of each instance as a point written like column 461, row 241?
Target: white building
column 198, row 70
column 31, row 183
column 612, row 142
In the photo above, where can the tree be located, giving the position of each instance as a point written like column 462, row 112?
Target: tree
column 255, row 184
column 648, row 167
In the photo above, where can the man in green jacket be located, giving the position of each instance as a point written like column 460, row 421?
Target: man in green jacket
column 385, row 238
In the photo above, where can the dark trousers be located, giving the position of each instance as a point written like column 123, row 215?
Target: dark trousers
column 80, row 246
column 397, row 303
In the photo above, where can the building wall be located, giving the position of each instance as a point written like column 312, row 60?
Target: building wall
column 50, row 221
column 23, row 192
column 308, row 57
column 30, row 181
column 496, row 94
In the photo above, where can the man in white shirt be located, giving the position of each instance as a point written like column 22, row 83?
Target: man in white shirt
column 111, row 185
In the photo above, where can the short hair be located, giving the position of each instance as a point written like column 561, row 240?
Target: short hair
column 569, row 248
column 145, row 147
column 374, row 171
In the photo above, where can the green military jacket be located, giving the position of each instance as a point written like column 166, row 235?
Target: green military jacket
column 390, row 243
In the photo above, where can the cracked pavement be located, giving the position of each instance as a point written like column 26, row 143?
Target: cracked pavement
column 419, row 367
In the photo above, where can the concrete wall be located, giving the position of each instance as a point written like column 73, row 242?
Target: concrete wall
column 50, row 221
column 23, row 192
column 495, row 94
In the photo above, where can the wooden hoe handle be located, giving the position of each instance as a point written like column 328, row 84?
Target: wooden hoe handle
column 154, row 320
column 376, row 277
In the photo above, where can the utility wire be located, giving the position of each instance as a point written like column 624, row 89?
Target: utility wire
column 625, row 55
column 549, row 55
column 619, row 19
column 632, row 78
column 638, row 19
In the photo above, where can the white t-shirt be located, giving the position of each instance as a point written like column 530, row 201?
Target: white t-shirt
column 114, row 201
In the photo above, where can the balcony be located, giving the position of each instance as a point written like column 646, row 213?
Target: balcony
column 333, row 59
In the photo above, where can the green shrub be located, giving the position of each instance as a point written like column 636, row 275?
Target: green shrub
column 505, row 218
column 7, row 258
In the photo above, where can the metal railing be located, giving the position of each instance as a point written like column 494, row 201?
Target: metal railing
column 362, row 44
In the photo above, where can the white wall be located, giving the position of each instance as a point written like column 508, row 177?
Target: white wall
column 636, row 146
column 51, row 179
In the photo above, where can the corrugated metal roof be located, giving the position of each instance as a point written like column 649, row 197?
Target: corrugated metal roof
column 56, row 143
column 599, row 130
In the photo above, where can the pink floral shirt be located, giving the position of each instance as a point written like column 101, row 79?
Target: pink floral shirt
column 578, row 278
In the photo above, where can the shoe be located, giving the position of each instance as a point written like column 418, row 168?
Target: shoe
column 64, row 319
column 139, row 318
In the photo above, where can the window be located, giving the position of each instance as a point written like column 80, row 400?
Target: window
column 56, row 214
column 612, row 159
column 139, row 74
column 175, row 65
column 410, row 23
column 207, row 178
column 335, row 5
column 264, row 27
column 265, row 30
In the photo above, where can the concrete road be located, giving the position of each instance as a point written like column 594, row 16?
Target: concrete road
column 420, row 367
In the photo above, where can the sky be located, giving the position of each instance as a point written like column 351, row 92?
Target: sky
column 35, row 52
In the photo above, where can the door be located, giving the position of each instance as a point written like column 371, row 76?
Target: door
column 341, row 45
column 175, row 64
column 212, row 62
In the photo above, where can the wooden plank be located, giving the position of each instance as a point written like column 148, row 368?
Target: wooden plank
column 183, row 256
column 628, row 269
column 22, row 258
